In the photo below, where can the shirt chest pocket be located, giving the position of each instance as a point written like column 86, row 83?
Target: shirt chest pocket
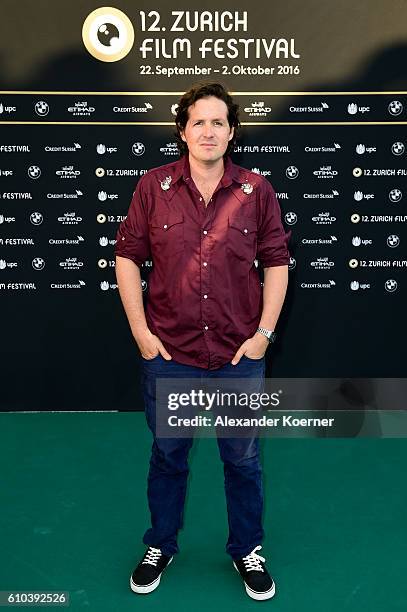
column 242, row 238
column 167, row 233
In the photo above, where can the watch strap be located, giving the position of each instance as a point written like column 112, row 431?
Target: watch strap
column 270, row 335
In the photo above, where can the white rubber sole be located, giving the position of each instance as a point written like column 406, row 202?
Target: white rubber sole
column 254, row 594
column 147, row 588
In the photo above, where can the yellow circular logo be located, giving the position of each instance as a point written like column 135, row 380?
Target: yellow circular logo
column 108, row 34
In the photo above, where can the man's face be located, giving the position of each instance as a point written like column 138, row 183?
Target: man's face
column 207, row 131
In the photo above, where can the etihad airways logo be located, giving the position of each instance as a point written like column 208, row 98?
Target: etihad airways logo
column 69, row 218
column 71, row 263
column 81, row 109
column 325, row 172
column 323, row 218
column 257, row 109
column 322, row 263
column 169, row 149
column 67, row 172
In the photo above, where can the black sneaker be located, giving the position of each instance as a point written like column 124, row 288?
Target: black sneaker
column 146, row 577
column 258, row 582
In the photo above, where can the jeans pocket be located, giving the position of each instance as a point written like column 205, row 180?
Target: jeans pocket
column 253, row 358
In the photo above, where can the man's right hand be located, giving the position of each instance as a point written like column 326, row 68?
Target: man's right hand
column 150, row 345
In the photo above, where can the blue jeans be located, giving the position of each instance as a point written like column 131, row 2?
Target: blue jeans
column 168, row 472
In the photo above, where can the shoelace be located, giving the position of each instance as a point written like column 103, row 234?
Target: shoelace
column 252, row 561
column 152, row 556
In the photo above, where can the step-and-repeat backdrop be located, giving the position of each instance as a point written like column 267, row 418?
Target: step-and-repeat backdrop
column 87, row 101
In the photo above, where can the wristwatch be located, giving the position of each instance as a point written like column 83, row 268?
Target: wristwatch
column 270, row 335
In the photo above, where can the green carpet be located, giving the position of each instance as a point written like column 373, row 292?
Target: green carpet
column 73, row 511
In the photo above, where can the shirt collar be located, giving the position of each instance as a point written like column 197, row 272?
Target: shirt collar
column 230, row 174
column 181, row 169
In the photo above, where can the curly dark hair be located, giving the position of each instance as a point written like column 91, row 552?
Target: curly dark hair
column 205, row 89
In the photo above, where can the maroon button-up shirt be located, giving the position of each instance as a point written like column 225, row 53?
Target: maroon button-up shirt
column 204, row 295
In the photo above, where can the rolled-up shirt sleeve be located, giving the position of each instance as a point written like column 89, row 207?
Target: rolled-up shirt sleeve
column 272, row 239
column 132, row 238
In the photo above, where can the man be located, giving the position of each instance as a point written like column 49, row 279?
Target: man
column 204, row 221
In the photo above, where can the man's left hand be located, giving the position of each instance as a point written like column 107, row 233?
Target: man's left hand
column 254, row 348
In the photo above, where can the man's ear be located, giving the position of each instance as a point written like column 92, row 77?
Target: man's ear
column 182, row 135
column 232, row 131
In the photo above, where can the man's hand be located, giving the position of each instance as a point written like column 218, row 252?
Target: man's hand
column 254, row 348
column 150, row 345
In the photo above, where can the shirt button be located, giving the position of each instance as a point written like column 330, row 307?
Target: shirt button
column 205, row 231
column 205, row 296
column 206, row 327
column 245, row 230
column 200, row 199
column 165, row 226
column 205, row 263
column 122, row 237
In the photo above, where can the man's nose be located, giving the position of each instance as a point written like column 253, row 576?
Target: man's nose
column 208, row 130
